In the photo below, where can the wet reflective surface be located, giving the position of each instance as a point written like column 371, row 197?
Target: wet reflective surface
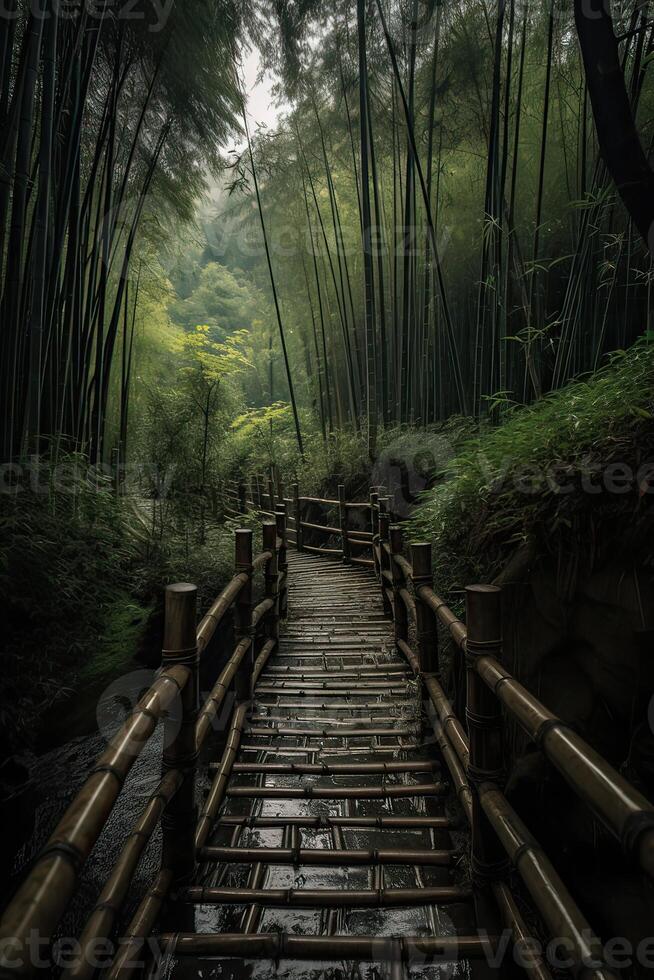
column 321, row 683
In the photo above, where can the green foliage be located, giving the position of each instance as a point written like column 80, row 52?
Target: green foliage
column 570, row 477
column 80, row 572
column 223, row 299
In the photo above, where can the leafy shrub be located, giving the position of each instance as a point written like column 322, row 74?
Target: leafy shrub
column 571, row 476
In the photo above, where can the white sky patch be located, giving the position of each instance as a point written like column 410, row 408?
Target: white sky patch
column 260, row 99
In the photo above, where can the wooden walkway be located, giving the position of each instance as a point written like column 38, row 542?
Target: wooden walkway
column 334, row 823
column 323, row 843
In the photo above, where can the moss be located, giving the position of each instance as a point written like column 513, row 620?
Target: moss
column 570, row 478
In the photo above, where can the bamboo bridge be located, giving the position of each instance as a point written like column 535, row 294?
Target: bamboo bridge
column 349, row 816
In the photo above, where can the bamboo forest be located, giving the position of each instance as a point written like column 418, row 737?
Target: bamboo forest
column 327, row 463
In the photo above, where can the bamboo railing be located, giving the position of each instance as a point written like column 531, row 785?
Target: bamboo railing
column 32, row 917
column 472, row 751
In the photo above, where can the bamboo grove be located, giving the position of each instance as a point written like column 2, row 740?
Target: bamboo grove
column 449, row 237
column 111, row 116
column 442, row 233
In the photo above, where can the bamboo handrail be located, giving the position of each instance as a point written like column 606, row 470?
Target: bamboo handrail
column 221, row 605
column 107, row 908
column 318, row 500
column 142, row 924
column 620, row 807
column 320, row 527
column 43, row 897
column 219, row 785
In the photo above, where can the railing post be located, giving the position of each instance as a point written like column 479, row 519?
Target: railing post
column 384, row 524
column 280, row 517
column 242, row 499
column 484, row 717
column 374, row 525
column 426, row 632
column 243, row 610
column 297, row 514
column 271, row 496
column 344, row 524
column 180, row 647
column 400, row 618
column 270, row 580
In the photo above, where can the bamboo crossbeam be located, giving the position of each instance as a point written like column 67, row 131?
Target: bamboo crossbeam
column 456, row 628
column 276, row 946
column 404, row 566
column 324, row 857
column 322, row 551
column 219, row 607
column 327, row 822
column 262, row 659
column 43, row 897
column 410, row 656
column 551, row 897
column 100, row 923
column 332, row 688
column 318, row 500
column 261, row 560
column 313, row 692
column 358, row 505
column 530, row 956
column 330, row 768
column 392, row 792
column 320, row 527
column 620, row 807
column 409, row 602
column 358, row 543
column 363, row 535
column 330, row 732
column 327, row 897
column 261, row 610
column 215, row 700
column 141, row 926
column 368, row 562
column 219, row 786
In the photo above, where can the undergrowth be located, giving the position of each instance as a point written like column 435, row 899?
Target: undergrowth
column 571, row 477
column 81, row 572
